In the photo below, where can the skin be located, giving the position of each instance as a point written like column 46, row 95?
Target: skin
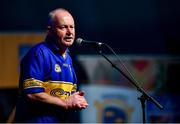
column 63, row 29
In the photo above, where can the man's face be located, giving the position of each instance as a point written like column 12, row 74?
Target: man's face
column 64, row 29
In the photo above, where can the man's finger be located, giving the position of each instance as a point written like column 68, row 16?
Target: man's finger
column 81, row 93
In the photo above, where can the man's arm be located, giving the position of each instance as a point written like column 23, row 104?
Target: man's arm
column 75, row 101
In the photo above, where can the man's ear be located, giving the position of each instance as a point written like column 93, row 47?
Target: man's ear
column 51, row 30
column 48, row 28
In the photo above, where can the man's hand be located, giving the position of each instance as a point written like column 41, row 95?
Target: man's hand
column 77, row 101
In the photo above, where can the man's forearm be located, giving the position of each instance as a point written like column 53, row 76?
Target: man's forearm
column 75, row 101
column 46, row 98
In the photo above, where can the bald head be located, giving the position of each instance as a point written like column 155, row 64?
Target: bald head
column 56, row 14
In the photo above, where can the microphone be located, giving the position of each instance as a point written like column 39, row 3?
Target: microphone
column 81, row 42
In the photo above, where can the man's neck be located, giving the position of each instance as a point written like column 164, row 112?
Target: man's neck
column 63, row 53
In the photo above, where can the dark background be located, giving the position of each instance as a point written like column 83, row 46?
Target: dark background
column 129, row 26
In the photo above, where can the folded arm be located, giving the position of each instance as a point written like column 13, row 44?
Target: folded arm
column 75, row 101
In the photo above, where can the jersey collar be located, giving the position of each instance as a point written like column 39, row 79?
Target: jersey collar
column 53, row 43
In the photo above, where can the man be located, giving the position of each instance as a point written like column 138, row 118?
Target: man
column 47, row 78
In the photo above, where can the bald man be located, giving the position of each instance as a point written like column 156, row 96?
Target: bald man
column 48, row 83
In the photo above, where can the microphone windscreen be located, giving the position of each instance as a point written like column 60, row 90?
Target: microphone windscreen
column 79, row 41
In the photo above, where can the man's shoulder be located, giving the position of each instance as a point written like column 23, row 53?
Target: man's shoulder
column 40, row 45
column 39, row 48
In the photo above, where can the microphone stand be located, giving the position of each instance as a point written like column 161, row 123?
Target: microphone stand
column 144, row 96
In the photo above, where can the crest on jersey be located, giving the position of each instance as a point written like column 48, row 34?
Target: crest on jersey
column 57, row 68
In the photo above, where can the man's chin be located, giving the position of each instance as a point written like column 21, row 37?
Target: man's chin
column 68, row 44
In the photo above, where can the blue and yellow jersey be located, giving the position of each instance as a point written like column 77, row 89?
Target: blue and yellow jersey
column 43, row 69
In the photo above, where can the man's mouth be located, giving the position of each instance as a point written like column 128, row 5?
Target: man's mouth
column 68, row 38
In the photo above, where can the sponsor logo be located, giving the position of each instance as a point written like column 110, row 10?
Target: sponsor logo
column 57, row 68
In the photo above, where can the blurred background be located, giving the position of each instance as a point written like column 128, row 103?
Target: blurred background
column 144, row 33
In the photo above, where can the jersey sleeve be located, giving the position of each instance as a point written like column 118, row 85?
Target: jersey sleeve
column 32, row 72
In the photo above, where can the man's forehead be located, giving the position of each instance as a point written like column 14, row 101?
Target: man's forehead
column 64, row 18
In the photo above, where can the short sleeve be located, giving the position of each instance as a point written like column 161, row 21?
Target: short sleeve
column 32, row 72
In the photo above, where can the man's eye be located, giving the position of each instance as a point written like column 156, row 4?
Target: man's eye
column 62, row 27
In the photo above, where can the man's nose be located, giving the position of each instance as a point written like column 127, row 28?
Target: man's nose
column 69, row 31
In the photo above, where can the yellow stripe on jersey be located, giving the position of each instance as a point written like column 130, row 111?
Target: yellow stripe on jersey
column 30, row 83
column 55, row 88
column 59, row 89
